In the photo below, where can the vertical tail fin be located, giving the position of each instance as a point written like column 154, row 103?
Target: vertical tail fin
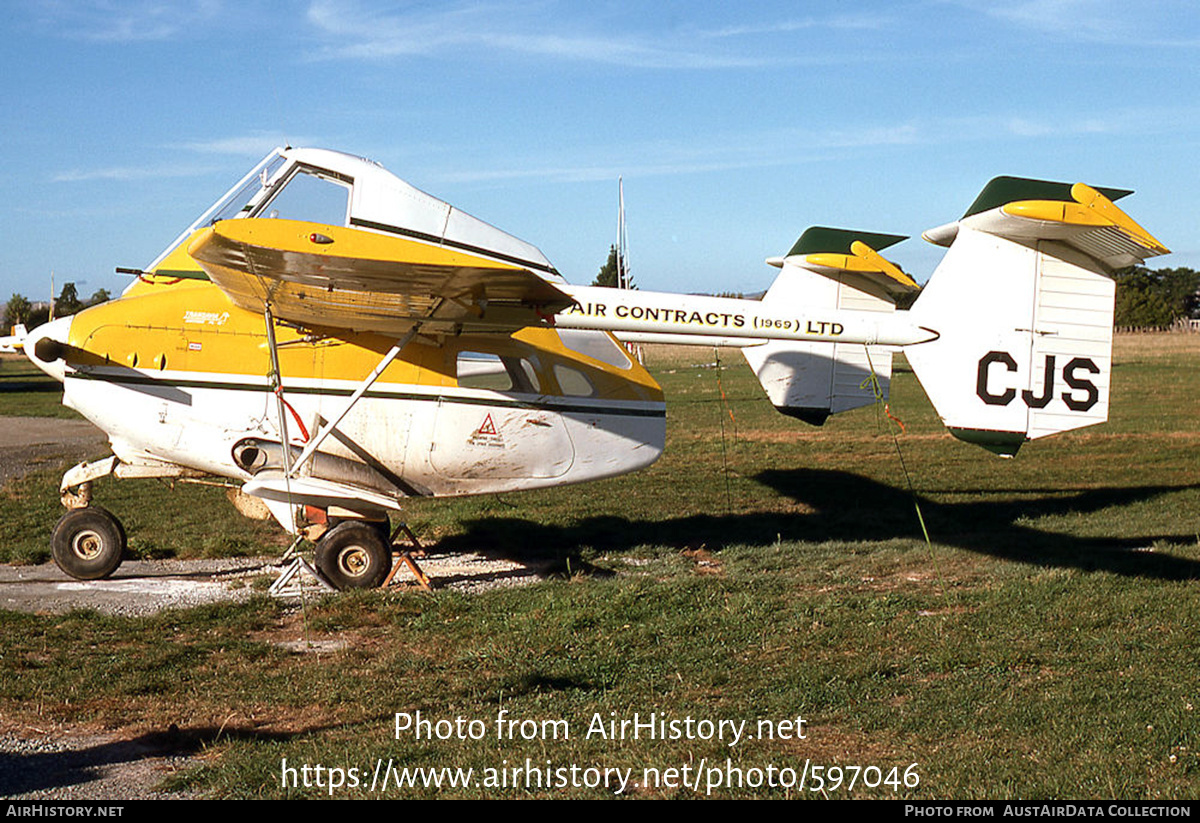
column 829, row 269
column 1023, row 304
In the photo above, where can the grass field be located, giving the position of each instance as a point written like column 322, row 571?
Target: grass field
column 25, row 390
column 1042, row 646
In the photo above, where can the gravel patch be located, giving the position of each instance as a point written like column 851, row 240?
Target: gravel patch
column 143, row 587
column 138, row 587
column 91, row 767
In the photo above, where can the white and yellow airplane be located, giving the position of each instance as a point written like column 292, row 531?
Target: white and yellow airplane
column 333, row 341
column 15, row 342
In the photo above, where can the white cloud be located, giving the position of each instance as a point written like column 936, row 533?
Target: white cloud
column 257, row 143
column 124, row 21
column 551, row 31
column 1019, row 126
column 783, row 147
column 1172, row 23
column 847, row 22
column 254, row 144
column 764, row 149
column 126, row 173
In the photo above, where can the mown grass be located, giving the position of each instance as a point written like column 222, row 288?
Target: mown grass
column 27, row 392
column 161, row 519
column 1042, row 647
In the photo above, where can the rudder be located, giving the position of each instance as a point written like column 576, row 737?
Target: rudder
column 1023, row 305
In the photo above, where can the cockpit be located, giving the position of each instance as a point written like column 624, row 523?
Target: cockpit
column 336, row 189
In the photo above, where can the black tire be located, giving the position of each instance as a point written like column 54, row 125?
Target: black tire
column 352, row 555
column 383, row 527
column 88, row 543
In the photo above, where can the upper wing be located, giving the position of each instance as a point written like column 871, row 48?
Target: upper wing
column 318, row 275
column 1079, row 216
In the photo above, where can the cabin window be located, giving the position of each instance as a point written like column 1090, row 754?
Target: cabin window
column 313, row 197
column 597, row 345
column 573, row 382
column 484, row 370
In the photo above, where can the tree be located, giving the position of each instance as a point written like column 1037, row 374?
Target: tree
column 1155, row 299
column 1181, row 290
column 68, row 301
column 18, row 311
column 99, row 296
column 38, row 315
column 608, row 272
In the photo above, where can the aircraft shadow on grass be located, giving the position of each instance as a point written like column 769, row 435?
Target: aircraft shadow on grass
column 846, row 507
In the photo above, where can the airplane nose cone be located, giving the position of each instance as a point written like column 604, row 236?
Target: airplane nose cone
column 46, row 345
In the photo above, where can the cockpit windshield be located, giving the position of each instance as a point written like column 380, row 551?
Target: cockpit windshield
column 237, row 202
column 276, row 189
column 242, row 199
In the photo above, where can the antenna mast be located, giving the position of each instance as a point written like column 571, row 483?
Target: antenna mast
column 624, row 278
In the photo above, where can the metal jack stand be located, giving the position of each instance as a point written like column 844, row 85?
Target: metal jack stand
column 291, row 582
column 407, row 557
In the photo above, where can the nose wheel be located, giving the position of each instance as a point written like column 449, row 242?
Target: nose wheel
column 88, row 543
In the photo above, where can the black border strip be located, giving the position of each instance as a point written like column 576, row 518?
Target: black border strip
column 142, row 380
column 441, row 241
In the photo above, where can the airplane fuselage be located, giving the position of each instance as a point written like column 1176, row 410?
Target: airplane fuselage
column 176, row 374
column 333, row 340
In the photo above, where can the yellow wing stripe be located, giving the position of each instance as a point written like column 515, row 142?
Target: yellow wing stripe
column 1091, row 209
column 862, row 260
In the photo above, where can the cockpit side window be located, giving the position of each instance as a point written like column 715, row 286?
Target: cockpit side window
column 596, row 345
column 312, row 195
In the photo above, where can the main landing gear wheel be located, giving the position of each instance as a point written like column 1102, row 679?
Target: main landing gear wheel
column 88, row 543
column 352, row 555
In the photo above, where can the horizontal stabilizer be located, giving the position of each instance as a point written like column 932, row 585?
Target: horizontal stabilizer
column 1077, row 215
column 850, row 254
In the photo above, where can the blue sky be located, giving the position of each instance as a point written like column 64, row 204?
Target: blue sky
column 735, row 126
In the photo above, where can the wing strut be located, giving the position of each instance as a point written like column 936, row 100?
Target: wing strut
column 281, row 411
column 310, row 448
column 291, row 468
column 324, row 431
